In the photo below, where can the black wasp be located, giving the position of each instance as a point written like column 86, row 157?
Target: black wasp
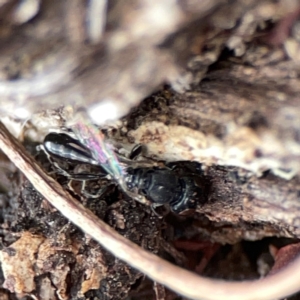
column 178, row 184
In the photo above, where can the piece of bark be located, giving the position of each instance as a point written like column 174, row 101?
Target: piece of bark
column 140, row 49
column 251, row 208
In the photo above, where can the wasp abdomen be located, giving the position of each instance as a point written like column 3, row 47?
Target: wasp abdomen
column 64, row 147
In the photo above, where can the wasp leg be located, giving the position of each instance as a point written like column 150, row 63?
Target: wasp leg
column 84, row 177
column 133, row 194
column 155, row 212
column 82, row 190
column 54, row 163
column 89, row 195
column 142, row 199
column 138, row 198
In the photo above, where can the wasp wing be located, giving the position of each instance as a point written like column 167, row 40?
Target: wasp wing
column 92, row 138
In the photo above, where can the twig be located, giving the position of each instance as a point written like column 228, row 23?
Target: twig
column 181, row 281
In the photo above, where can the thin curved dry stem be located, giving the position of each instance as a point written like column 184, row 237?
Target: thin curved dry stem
column 179, row 280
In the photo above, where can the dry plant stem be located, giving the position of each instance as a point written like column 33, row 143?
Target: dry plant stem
column 181, row 281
